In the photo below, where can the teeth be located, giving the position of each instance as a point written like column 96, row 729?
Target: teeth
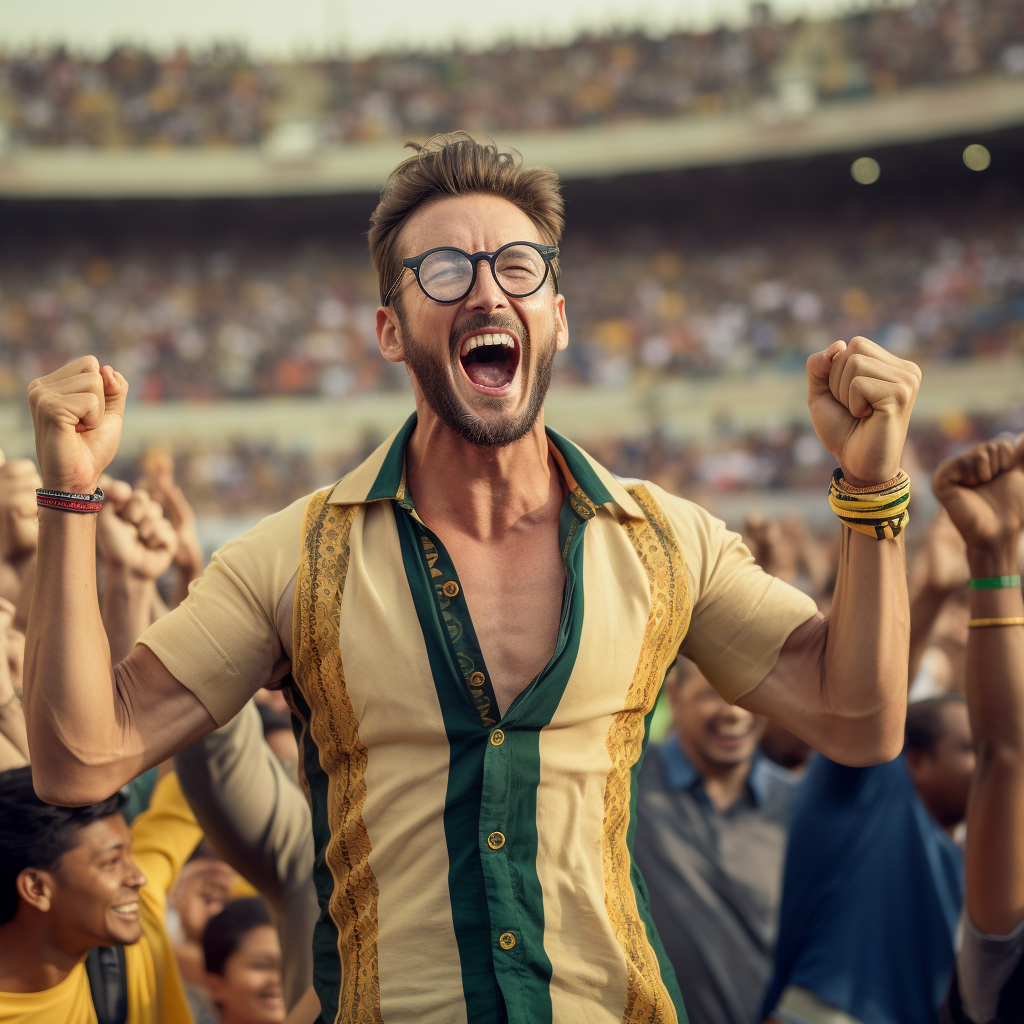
column 127, row 908
column 478, row 340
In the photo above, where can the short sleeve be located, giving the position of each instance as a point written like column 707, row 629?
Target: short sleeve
column 984, row 966
column 222, row 641
column 740, row 616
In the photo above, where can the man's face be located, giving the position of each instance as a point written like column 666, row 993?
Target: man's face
column 719, row 733
column 943, row 779
column 94, row 890
column 489, row 394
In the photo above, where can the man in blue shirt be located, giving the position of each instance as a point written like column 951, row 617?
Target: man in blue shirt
column 710, row 841
column 874, row 882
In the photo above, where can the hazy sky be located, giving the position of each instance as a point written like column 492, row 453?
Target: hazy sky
column 278, row 27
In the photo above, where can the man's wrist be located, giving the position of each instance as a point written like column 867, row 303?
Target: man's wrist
column 993, row 558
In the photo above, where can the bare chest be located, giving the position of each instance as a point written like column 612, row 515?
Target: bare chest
column 514, row 594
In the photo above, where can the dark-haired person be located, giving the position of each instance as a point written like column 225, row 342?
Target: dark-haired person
column 983, row 492
column 712, row 819
column 477, row 622
column 243, row 964
column 72, row 879
column 873, row 881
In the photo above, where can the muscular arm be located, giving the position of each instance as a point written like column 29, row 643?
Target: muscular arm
column 983, row 490
column 841, row 683
column 91, row 729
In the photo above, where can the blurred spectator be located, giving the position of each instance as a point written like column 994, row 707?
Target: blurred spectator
column 13, row 737
column 873, row 881
column 18, row 480
column 243, row 964
column 73, row 880
column 711, row 833
column 221, row 97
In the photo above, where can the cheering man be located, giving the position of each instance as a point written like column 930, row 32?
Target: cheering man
column 472, row 628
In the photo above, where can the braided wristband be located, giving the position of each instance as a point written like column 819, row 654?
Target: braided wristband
column 995, row 583
column 878, row 511
column 67, row 501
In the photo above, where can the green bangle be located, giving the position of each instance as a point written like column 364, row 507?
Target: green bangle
column 995, row 582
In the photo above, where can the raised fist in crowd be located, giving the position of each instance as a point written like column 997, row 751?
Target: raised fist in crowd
column 983, row 492
column 78, row 412
column 132, row 533
column 19, row 527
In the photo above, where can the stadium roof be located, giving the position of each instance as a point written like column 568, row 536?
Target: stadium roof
column 292, row 164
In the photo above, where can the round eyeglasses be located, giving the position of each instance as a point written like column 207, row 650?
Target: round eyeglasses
column 447, row 274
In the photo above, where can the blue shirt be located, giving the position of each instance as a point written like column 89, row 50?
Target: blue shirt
column 871, row 896
column 714, row 878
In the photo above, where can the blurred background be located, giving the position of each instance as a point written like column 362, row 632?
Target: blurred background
column 184, row 192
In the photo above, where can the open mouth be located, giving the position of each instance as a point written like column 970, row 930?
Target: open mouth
column 127, row 911
column 490, row 361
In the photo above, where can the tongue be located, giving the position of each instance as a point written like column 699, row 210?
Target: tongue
column 489, row 375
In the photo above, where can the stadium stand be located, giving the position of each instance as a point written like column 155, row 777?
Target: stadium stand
column 222, row 97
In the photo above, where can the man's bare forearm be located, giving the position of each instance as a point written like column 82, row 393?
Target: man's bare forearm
column 995, row 693
column 127, row 609
column 841, row 683
column 71, row 710
column 864, row 667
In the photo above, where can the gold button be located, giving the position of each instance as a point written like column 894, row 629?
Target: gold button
column 450, row 589
column 497, row 738
column 477, row 679
column 495, row 840
column 507, row 940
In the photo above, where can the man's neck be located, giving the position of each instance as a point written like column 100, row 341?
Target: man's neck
column 723, row 784
column 480, row 491
column 29, row 961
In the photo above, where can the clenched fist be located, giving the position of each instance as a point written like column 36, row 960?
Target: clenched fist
column 860, row 397
column 77, row 412
column 983, row 492
column 18, row 527
column 132, row 533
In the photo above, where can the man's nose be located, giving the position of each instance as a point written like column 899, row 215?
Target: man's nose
column 135, row 878
column 485, row 294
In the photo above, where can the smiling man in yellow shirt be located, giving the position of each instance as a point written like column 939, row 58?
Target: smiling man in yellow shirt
column 72, row 879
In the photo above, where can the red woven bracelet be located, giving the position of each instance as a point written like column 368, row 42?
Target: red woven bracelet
column 68, row 504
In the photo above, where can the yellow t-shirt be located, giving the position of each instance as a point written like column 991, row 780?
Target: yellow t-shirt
column 163, row 838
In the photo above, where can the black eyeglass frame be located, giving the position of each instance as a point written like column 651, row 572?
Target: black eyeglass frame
column 548, row 253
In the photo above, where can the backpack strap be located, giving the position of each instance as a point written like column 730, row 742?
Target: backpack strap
column 108, row 982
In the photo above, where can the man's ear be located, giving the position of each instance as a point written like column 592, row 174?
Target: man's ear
column 36, row 887
column 389, row 335
column 562, row 324
column 215, row 986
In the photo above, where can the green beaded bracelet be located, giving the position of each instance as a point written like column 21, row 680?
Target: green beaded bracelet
column 995, row 583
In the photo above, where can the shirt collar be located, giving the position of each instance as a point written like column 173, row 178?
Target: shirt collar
column 680, row 774
column 382, row 476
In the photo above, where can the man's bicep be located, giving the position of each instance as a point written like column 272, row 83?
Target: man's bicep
column 160, row 714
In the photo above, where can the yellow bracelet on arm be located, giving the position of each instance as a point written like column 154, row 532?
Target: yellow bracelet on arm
column 1009, row 620
column 879, row 511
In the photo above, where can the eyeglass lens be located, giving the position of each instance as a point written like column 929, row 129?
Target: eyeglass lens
column 446, row 275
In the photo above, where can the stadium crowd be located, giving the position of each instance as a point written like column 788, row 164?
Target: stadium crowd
column 247, row 318
column 222, row 97
column 228, row 902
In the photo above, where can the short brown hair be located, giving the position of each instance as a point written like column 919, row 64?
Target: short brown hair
column 456, row 164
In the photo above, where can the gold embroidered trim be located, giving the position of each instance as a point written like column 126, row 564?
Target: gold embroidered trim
column 320, row 677
column 647, row 997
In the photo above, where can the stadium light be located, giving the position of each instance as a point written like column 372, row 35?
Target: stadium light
column 977, row 157
column 865, row 170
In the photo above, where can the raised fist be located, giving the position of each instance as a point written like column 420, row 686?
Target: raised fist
column 983, row 492
column 860, row 397
column 77, row 412
column 132, row 533
column 19, row 479
column 158, row 479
